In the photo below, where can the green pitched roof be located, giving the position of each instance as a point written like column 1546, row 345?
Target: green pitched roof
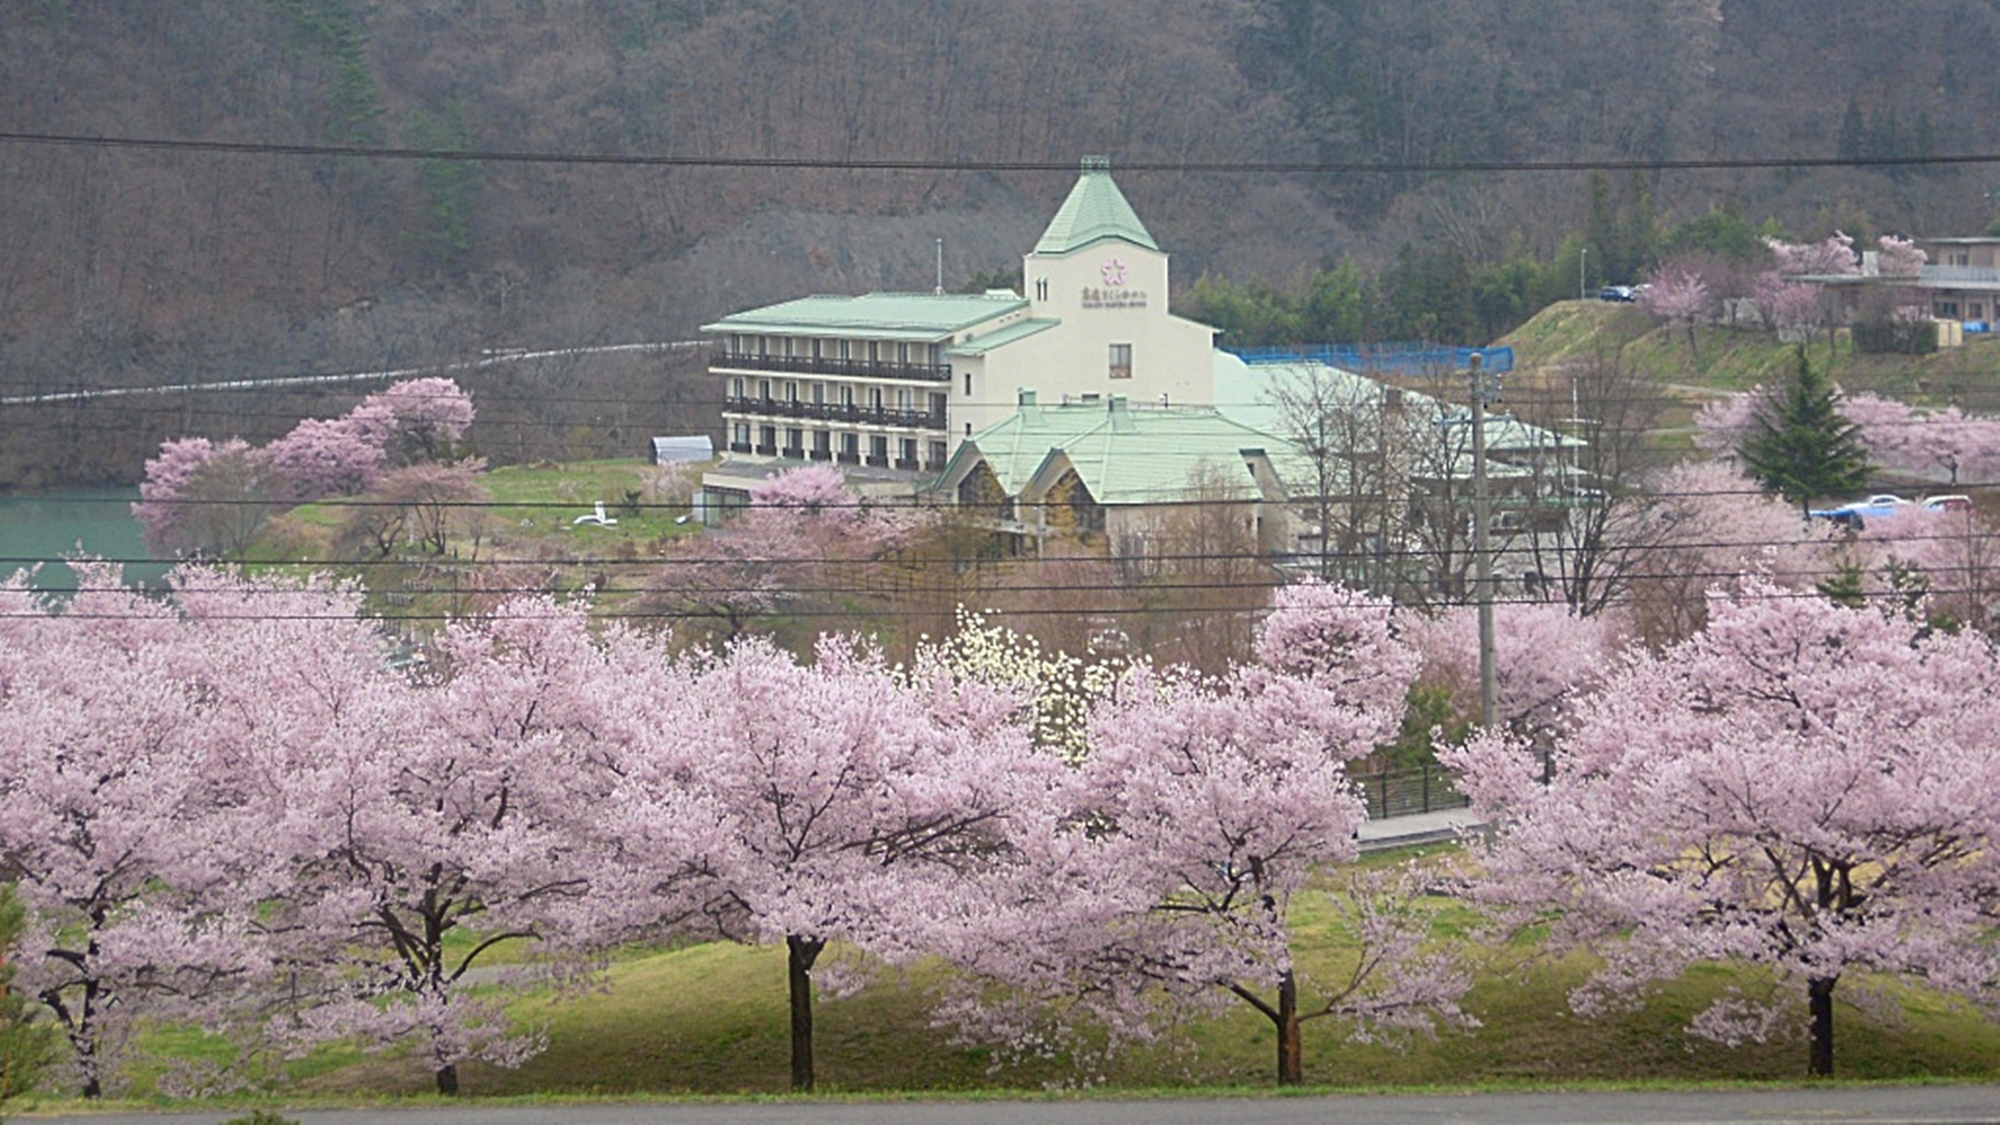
column 1244, row 392
column 1001, row 337
column 1124, row 454
column 1095, row 210
column 877, row 316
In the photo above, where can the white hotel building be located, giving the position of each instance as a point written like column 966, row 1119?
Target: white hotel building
column 891, row 383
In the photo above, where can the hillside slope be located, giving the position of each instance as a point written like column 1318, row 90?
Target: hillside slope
column 122, row 265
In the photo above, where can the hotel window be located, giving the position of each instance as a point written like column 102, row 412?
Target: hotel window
column 903, row 400
column 822, row 443
column 764, row 389
column 795, row 441
column 968, row 384
column 740, row 386
column 846, row 395
column 878, row 448
column 850, row 444
column 1121, row 361
column 819, row 394
column 874, row 398
column 791, row 391
column 742, row 435
column 909, row 452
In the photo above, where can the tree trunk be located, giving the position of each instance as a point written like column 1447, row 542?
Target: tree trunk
column 1291, row 1045
column 802, row 952
column 1819, row 991
column 447, row 1080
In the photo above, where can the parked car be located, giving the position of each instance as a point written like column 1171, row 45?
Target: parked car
column 1617, row 293
column 1856, row 515
column 1949, row 503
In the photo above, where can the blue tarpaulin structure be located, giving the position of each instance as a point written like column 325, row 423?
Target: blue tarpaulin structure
column 1396, row 358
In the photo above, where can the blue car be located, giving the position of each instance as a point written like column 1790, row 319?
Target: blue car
column 1856, row 515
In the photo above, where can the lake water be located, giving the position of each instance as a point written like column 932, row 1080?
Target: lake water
column 44, row 527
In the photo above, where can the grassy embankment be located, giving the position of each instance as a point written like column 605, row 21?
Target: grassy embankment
column 710, row 1019
column 1723, row 359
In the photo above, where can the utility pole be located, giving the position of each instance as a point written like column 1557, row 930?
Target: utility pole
column 1483, row 389
column 1582, row 256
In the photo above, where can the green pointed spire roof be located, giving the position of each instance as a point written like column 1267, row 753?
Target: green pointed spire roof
column 1095, row 210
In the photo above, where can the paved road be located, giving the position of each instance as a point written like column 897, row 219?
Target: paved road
column 1955, row 1105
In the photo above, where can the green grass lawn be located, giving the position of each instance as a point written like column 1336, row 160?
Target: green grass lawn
column 710, row 1019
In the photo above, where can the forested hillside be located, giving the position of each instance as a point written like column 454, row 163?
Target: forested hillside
column 123, row 265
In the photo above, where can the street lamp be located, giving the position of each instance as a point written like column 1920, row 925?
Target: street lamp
column 1582, row 256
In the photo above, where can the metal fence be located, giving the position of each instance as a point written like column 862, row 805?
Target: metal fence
column 1392, row 358
column 1409, row 792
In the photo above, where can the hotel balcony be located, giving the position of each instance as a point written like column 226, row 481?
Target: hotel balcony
column 833, row 412
column 808, row 365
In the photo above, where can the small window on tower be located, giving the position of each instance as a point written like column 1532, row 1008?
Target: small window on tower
column 1121, row 361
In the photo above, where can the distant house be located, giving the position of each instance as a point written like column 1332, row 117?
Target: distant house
column 1959, row 283
column 1962, row 278
column 692, row 448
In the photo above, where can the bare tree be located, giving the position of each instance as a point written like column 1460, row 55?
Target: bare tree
column 1344, row 480
column 1205, row 575
column 1600, row 523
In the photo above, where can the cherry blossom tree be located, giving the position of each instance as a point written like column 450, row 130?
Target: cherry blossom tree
column 1801, row 786
column 1794, row 310
column 203, row 498
column 804, row 532
column 1833, row 255
column 1723, row 424
column 1714, row 528
column 1197, row 817
column 1678, row 295
column 848, row 798
column 1899, row 257
column 114, row 820
column 1912, row 441
column 1941, row 566
column 1549, row 655
column 412, row 421
column 326, row 457
column 419, row 809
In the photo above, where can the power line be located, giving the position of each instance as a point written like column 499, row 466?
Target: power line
column 891, row 164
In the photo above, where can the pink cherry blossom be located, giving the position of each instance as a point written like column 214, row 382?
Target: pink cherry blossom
column 1800, row 786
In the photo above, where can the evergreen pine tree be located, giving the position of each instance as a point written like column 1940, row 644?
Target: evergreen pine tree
column 1802, row 447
